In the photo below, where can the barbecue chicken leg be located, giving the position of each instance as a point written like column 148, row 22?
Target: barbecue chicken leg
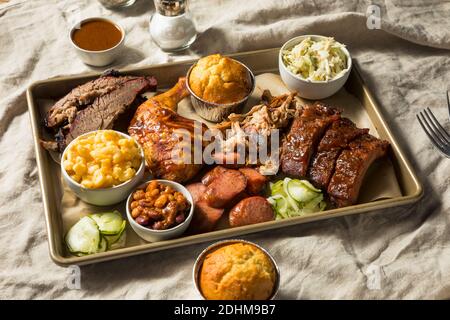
column 153, row 126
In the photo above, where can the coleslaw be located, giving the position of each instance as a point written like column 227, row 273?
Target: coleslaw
column 320, row 60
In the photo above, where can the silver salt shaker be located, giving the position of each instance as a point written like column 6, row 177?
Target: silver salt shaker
column 171, row 29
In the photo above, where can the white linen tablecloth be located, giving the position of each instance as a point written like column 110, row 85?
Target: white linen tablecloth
column 406, row 63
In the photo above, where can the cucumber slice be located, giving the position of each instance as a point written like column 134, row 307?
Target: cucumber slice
column 84, row 237
column 291, row 201
column 285, row 183
column 314, row 203
column 120, row 243
column 295, row 213
column 103, row 245
column 310, row 186
column 109, row 223
column 279, row 204
column 295, row 197
column 112, row 239
column 277, row 184
column 282, row 206
column 276, row 187
column 271, row 200
column 300, row 191
column 279, row 191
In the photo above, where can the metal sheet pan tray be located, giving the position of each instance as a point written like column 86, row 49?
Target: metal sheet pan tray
column 259, row 62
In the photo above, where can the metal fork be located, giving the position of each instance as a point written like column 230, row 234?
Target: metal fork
column 437, row 134
column 448, row 103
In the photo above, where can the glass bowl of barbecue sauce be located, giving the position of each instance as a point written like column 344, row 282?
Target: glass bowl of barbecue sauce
column 97, row 41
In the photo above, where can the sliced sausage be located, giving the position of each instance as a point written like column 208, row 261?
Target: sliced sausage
column 223, row 189
column 251, row 210
column 255, row 180
column 197, row 190
column 211, row 175
column 237, row 199
column 205, row 217
column 230, row 160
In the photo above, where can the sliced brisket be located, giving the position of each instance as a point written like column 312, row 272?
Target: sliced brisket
column 334, row 140
column 66, row 108
column 351, row 167
column 98, row 104
column 304, row 136
column 106, row 109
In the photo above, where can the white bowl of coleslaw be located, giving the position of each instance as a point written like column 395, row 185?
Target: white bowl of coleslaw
column 314, row 66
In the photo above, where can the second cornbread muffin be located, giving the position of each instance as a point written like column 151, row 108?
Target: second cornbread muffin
column 220, row 80
column 238, row 271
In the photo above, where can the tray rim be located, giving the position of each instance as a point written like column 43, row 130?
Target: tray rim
column 219, row 234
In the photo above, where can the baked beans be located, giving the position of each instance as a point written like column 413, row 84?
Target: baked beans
column 159, row 206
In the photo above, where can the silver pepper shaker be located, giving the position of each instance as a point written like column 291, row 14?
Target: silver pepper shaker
column 170, row 26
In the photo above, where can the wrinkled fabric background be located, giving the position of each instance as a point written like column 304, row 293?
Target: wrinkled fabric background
column 406, row 64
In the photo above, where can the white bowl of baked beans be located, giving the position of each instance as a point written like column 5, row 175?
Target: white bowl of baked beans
column 160, row 210
column 102, row 167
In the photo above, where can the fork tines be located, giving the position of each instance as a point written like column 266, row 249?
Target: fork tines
column 437, row 134
column 448, row 103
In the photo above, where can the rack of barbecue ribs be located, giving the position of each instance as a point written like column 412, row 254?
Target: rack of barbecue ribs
column 153, row 126
column 303, row 137
column 351, row 167
column 330, row 151
column 335, row 139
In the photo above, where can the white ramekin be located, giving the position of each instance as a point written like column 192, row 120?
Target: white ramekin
column 310, row 89
column 103, row 196
column 159, row 235
column 98, row 58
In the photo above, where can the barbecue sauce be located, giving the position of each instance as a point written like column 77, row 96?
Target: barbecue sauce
column 97, row 35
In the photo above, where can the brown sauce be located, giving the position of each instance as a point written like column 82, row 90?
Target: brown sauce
column 97, row 35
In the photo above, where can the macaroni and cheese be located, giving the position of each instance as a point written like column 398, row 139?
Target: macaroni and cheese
column 102, row 159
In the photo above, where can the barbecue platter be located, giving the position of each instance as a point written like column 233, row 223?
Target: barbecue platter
column 317, row 169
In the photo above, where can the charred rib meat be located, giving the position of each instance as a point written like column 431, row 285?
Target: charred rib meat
column 335, row 139
column 331, row 151
column 351, row 167
column 304, row 136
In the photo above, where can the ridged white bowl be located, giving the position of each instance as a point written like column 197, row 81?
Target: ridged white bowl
column 103, row 196
column 310, row 89
column 159, row 235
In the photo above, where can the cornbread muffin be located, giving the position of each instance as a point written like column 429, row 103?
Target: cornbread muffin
column 237, row 271
column 219, row 79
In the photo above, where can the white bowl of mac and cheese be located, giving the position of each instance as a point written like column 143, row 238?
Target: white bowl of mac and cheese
column 102, row 167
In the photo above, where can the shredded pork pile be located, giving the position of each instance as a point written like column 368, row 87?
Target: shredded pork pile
column 273, row 113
